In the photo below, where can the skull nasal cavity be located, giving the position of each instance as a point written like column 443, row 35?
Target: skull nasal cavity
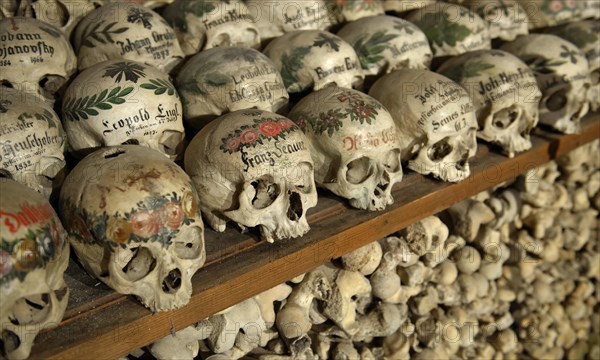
column 266, row 193
column 294, row 212
column 359, row 170
column 172, row 281
column 440, row 150
column 8, row 343
column 140, row 265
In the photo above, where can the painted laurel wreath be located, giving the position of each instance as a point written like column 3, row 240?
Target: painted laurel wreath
column 263, row 129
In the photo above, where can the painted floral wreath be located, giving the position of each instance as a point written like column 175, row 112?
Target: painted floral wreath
column 264, row 128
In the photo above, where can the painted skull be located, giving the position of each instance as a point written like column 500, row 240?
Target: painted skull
column 354, row 144
column 126, row 31
column 562, row 74
column 253, row 167
column 402, row 6
column 134, row 223
column 436, row 121
column 202, row 24
column 34, row 254
column 544, row 13
column 589, row 9
column 33, row 142
column 352, row 10
column 222, row 80
column 506, row 18
column 313, row 59
column 123, row 102
column 35, row 57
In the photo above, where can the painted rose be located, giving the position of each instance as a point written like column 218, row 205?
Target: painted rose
column 555, row 5
column 285, row 124
column 6, row 263
column 118, row 230
column 233, row 144
column 171, row 215
column 144, row 223
column 189, row 204
column 26, row 255
column 269, row 128
column 249, row 136
column 363, row 111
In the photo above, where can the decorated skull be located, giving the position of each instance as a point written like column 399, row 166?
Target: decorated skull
column 562, row 74
column 589, row 9
column 386, row 43
column 253, row 167
column 35, row 57
column 313, row 59
column 123, row 102
column 33, row 141
column 544, row 13
column 202, row 24
column 401, row 6
column 506, row 18
column 436, row 121
column 354, row 144
column 134, row 223
column 505, row 95
column 352, row 10
column 34, row 254
column 222, row 80
column 126, row 31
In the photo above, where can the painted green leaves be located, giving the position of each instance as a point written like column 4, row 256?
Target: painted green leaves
column 290, row 64
column 160, row 87
column 327, row 40
column 75, row 109
column 204, row 75
column 440, row 30
column 176, row 13
column 97, row 33
column 369, row 49
column 45, row 116
column 469, row 70
column 128, row 70
column 540, row 65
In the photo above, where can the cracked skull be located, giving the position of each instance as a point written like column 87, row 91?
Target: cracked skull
column 354, row 145
column 253, row 167
column 135, row 225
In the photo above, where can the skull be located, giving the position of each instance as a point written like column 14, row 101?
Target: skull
column 126, row 31
column 401, row 6
column 352, row 10
column 544, row 13
column 223, row 80
column 253, row 167
column 33, row 141
column 120, row 101
column 313, row 59
column 386, row 43
column 36, row 57
column 134, row 223
column 436, row 121
column 506, row 18
column 202, row 24
column 505, row 95
column 586, row 36
column 589, row 9
column 8, row 8
column 451, row 29
column 562, row 74
column 354, row 144
column 34, row 254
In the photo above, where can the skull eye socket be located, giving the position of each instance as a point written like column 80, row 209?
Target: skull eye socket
column 130, row 142
column 391, row 161
column 4, row 174
column 505, row 117
column 266, row 192
column 440, row 150
column 188, row 243
column 557, row 101
column 140, row 265
column 9, row 342
column 171, row 142
column 359, row 170
column 303, row 177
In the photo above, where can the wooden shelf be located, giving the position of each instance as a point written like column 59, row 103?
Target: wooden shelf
column 101, row 324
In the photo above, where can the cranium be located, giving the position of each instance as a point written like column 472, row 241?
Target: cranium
column 35, row 57
column 544, row 13
column 34, row 254
column 222, row 80
column 312, row 59
column 401, row 6
column 134, row 223
column 253, row 167
column 120, row 101
column 562, row 74
column 505, row 95
column 33, row 141
column 506, row 18
column 589, row 9
column 435, row 119
column 352, row 10
column 126, row 31
column 354, row 145
column 202, row 24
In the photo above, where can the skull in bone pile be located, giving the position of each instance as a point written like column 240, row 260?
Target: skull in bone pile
column 505, row 95
column 34, row 254
column 126, row 31
column 313, row 59
column 386, row 43
column 134, row 223
column 352, row 10
column 33, row 141
column 253, row 167
column 586, row 36
column 222, row 80
column 562, row 74
column 36, row 57
column 202, row 25
column 354, row 145
column 436, row 121
column 545, row 13
column 8, row 8
column 123, row 102
column 506, row 18
column 402, row 6
column 589, row 9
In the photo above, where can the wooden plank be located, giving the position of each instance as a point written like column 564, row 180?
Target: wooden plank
column 108, row 325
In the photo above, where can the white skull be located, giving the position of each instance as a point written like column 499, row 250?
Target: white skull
column 34, row 254
column 436, row 121
column 506, row 18
column 562, row 74
column 203, row 24
column 275, row 18
column 126, row 31
column 352, row 10
column 34, row 57
column 253, row 167
column 313, row 59
column 451, row 29
column 586, row 36
column 401, row 6
column 135, row 225
column 222, row 80
column 120, row 101
column 544, row 13
column 354, row 144
column 505, row 95
column 589, row 9
column 386, row 43
column 33, row 141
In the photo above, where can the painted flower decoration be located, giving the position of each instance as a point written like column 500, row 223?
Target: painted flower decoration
column 144, row 223
column 264, row 128
column 189, row 204
column 269, row 128
column 26, row 255
column 118, row 230
column 6, row 263
column 171, row 215
column 249, row 136
column 45, row 244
